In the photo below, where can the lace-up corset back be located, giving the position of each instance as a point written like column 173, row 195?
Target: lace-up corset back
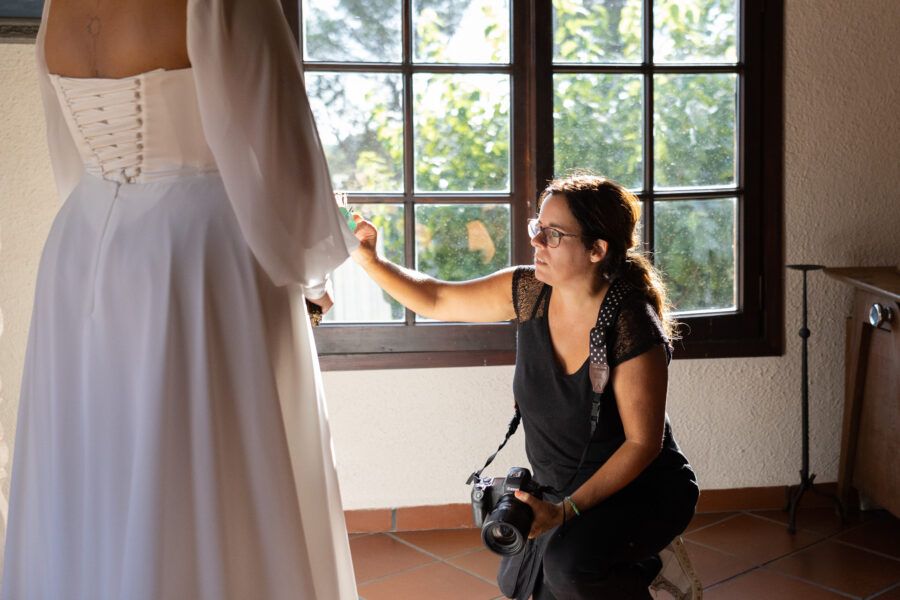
column 136, row 129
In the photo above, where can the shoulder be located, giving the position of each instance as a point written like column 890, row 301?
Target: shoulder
column 638, row 328
column 526, row 289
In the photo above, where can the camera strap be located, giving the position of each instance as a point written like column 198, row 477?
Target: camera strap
column 513, row 426
column 598, row 372
column 598, row 357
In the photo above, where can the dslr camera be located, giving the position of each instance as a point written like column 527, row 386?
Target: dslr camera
column 505, row 521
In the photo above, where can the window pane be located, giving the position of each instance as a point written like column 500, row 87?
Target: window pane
column 357, row 298
column 360, row 121
column 456, row 242
column 597, row 125
column 352, row 31
column 696, row 249
column 695, row 31
column 461, row 132
column 695, row 130
column 17, row 9
column 461, row 31
column 597, row 31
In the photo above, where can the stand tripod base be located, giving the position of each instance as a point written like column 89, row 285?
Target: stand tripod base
column 795, row 493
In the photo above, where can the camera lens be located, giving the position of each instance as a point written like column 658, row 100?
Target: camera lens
column 502, row 534
column 506, row 529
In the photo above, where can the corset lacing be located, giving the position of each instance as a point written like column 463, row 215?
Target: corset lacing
column 109, row 120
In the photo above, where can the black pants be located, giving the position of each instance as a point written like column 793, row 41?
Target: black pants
column 610, row 551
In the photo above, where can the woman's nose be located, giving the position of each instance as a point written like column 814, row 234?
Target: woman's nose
column 537, row 240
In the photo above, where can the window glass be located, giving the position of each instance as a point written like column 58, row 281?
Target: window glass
column 597, row 31
column 352, row 30
column 457, row 242
column 695, row 130
column 700, row 31
column 360, row 121
column 598, row 125
column 462, row 132
column 461, row 31
column 696, row 249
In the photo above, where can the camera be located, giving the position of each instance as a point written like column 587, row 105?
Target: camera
column 505, row 521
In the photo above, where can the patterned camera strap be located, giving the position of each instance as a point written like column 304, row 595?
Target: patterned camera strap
column 599, row 339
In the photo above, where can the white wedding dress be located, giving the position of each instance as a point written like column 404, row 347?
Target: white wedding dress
column 173, row 440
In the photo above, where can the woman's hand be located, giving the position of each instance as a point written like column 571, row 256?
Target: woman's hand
column 325, row 302
column 546, row 515
column 367, row 235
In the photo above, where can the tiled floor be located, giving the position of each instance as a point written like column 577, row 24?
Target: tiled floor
column 738, row 556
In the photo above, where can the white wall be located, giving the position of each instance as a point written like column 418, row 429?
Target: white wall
column 410, row 437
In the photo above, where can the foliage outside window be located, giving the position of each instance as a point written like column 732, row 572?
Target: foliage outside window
column 418, row 125
column 448, row 192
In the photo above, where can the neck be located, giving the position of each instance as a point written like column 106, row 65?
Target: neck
column 580, row 294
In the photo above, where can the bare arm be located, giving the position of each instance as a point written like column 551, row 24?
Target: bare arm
column 483, row 300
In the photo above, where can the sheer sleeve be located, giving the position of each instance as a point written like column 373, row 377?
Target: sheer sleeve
column 526, row 294
column 259, row 125
column 637, row 329
column 65, row 160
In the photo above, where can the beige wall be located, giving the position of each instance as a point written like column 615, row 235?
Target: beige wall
column 27, row 206
column 411, row 437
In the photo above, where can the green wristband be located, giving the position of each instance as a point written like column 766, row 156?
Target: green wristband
column 572, row 504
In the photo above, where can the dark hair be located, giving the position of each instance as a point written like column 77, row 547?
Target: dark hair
column 607, row 211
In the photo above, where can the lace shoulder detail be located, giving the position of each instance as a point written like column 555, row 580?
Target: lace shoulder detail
column 526, row 292
column 637, row 329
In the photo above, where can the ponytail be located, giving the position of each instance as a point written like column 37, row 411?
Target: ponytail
column 640, row 273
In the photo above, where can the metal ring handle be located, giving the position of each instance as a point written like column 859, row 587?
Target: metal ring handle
column 880, row 314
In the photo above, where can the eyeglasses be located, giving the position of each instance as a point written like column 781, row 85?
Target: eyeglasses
column 548, row 235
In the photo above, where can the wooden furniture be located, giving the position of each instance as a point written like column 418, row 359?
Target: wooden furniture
column 870, row 441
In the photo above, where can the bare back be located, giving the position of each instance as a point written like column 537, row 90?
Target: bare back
column 115, row 38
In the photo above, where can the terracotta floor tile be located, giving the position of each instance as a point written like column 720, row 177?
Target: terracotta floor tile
column 881, row 535
column 444, row 543
column 378, row 555
column 770, row 586
column 438, row 581
column 841, row 567
column 824, row 520
column 713, row 566
column 891, row 594
column 736, row 555
column 482, row 562
column 753, row 538
column 705, row 519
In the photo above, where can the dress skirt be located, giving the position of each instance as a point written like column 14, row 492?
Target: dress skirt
column 172, row 437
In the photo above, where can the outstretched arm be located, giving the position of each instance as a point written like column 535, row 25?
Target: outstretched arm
column 484, row 300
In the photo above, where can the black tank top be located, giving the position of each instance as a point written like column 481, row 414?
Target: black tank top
column 556, row 406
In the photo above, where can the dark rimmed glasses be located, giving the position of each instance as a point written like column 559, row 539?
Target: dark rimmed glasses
column 549, row 236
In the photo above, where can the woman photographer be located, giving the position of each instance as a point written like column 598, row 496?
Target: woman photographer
column 627, row 491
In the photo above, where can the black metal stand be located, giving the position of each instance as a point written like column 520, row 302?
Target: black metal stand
column 807, row 479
